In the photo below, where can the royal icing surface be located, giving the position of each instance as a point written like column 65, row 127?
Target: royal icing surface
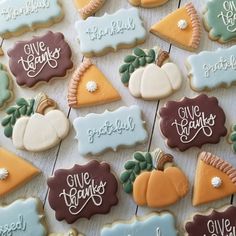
column 35, row 119
column 110, row 130
column 11, row 174
column 71, row 232
column 22, row 217
column 99, row 35
column 152, row 225
column 154, row 186
column 220, row 20
column 40, row 59
column 214, row 180
column 27, row 14
column 215, row 222
column 192, row 122
column 82, row 191
column 209, row 70
column 232, row 138
column 5, row 86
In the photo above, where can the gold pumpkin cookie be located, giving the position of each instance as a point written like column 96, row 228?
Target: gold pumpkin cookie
column 183, row 23
column 148, row 3
column 215, row 179
column 89, row 87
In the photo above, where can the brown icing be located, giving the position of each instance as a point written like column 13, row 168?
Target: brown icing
column 192, row 122
column 93, row 180
column 40, row 59
column 217, row 223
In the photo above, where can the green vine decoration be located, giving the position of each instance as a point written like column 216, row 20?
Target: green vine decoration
column 132, row 62
column 22, row 108
column 233, row 138
column 134, row 168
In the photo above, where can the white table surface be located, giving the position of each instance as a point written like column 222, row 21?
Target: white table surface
column 66, row 154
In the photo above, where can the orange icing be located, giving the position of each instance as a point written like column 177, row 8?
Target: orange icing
column 148, row 3
column 208, row 167
column 19, row 171
column 79, row 96
column 168, row 28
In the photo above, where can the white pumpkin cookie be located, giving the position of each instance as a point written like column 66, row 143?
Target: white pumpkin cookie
column 35, row 125
column 150, row 75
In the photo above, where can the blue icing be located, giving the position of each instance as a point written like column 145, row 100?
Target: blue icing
column 98, row 132
column 15, row 14
column 152, row 225
column 110, row 31
column 21, row 218
column 210, row 70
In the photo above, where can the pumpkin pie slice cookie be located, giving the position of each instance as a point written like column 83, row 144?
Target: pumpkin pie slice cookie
column 183, row 22
column 88, row 7
column 89, row 87
column 11, row 174
column 215, row 179
column 155, row 187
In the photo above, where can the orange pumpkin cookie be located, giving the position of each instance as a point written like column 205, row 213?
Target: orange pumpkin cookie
column 14, row 171
column 215, row 179
column 88, row 7
column 155, row 187
column 183, row 22
column 148, row 3
column 89, row 87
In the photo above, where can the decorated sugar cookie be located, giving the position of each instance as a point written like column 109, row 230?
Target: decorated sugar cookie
column 6, row 93
column 232, row 138
column 154, row 224
column 181, row 28
column 149, row 74
column 97, row 133
column 11, row 174
column 210, row 70
column 214, row 179
column 71, row 232
column 17, row 17
column 100, row 35
column 40, row 59
column 148, row 3
column 219, row 20
column 94, row 186
column 213, row 222
column 35, row 124
column 23, row 217
column 192, row 122
column 88, row 7
column 89, row 87
column 152, row 186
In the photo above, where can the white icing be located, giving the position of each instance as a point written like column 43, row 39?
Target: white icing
column 222, row 226
column 192, row 122
column 91, row 86
column 82, row 189
column 3, row 173
column 229, row 16
column 154, row 82
column 182, row 24
column 216, row 182
column 37, row 56
column 40, row 132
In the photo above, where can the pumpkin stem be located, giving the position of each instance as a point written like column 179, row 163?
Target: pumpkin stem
column 44, row 104
column 162, row 160
column 162, row 57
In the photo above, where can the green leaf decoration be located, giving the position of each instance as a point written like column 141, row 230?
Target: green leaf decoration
column 132, row 62
column 139, row 157
column 21, row 108
column 134, row 168
column 234, row 127
column 139, row 52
